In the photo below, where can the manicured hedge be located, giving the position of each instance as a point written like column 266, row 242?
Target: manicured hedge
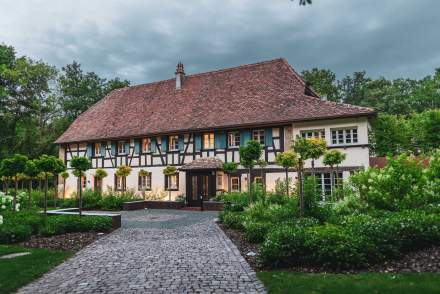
column 356, row 241
column 20, row 226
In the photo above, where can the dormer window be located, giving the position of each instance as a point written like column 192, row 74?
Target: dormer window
column 121, row 147
column 146, row 145
column 98, row 149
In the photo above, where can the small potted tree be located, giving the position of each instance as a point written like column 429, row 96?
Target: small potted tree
column 50, row 166
column 12, row 167
column 168, row 172
column 80, row 165
column 302, row 147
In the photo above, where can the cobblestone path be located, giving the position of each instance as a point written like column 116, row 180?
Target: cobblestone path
column 155, row 251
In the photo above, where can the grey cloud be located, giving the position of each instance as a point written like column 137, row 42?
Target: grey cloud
column 143, row 40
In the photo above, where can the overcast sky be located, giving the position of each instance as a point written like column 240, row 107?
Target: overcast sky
column 142, row 41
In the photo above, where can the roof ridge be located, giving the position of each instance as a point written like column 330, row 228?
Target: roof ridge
column 208, row 72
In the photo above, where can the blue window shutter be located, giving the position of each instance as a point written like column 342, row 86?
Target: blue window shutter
column 164, row 142
column 103, row 144
column 198, row 141
column 153, row 145
column 181, row 142
column 127, row 147
column 137, row 146
column 113, row 148
column 268, row 136
column 220, row 140
column 245, row 136
column 89, row 150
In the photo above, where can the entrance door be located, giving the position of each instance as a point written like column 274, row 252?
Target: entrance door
column 199, row 185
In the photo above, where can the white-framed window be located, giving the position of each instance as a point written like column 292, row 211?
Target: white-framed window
column 172, row 182
column 308, row 134
column 146, row 145
column 145, row 182
column 235, row 184
column 324, row 183
column 173, row 142
column 234, row 139
column 258, row 135
column 208, row 141
column 98, row 149
column 344, row 136
column 121, row 148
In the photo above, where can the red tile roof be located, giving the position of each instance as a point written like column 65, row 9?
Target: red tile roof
column 268, row 92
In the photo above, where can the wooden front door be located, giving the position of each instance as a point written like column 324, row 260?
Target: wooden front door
column 199, row 185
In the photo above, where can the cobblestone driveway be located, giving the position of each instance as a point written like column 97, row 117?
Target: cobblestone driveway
column 156, row 251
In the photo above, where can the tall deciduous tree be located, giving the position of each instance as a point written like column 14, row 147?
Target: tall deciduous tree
column 323, row 81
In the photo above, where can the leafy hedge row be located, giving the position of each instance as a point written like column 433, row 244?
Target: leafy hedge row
column 20, row 226
column 356, row 241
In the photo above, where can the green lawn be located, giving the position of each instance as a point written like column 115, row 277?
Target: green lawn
column 19, row 271
column 368, row 283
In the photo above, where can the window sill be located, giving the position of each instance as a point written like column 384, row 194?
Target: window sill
column 173, row 189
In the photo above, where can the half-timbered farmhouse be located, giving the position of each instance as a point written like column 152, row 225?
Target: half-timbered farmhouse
column 197, row 122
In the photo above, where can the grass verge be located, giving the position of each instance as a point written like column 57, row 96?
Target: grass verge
column 292, row 282
column 19, row 271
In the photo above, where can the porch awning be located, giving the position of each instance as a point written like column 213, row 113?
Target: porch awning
column 205, row 163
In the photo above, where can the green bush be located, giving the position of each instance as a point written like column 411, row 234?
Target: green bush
column 61, row 224
column 357, row 240
column 13, row 233
column 233, row 220
column 256, row 232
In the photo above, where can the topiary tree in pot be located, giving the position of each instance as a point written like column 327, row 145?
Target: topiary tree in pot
column 250, row 154
column 287, row 159
column 169, row 171
column 80, row 165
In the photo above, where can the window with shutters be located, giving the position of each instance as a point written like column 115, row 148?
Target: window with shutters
column 308, row 134
column 146, row 145
column 173, row 142
column 258, row 135
column 98, row 149
column 344, row 136
column 145, row 182
column 121, row 147
column 234, row 139
column 208, row 141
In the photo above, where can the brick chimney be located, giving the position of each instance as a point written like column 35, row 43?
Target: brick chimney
column 180, row 76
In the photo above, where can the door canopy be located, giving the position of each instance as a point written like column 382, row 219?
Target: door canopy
column 205, row 163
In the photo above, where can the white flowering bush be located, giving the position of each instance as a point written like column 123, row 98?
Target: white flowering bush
column 6, row 201
column 403, row 183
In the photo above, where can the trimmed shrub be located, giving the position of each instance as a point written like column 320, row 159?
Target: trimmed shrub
column 255, row 232
column 61, row 224
column 233, row 220
column 13, row 233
